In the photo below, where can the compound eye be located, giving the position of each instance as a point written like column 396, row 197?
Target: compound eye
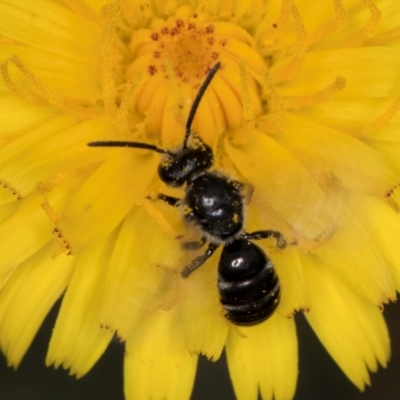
column 176, row 169
column 170, row 172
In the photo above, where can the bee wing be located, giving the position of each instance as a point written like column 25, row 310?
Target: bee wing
column 247, row 191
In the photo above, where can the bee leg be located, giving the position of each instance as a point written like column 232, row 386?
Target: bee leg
column 172, row 201
column 257, row 235
column 195, row 244
column 200, row 260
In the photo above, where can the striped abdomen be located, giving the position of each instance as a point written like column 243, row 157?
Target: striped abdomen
column 248, row 286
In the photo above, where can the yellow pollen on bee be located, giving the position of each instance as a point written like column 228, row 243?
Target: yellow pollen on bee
column 186, row 210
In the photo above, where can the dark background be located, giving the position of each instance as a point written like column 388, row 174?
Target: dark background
column 319, row 377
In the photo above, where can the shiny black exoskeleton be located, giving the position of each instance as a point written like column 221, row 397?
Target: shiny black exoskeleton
column 248, row 285
column 247, row 282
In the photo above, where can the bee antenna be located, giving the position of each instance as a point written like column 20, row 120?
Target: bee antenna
column 197, row 100
column 137, row 145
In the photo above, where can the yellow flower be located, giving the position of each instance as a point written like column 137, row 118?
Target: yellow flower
column 303, row 108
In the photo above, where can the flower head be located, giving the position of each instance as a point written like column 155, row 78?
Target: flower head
column 303, row 109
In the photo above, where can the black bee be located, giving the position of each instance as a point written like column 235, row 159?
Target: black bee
column 248, row 286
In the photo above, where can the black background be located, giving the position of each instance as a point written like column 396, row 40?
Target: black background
column 319, row 377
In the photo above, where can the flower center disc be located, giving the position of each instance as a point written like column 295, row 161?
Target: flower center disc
column 168, row 59
column 186, row 46
column 189, row 48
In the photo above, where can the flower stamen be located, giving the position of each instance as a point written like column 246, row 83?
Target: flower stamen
column 393, row 198
column 299, row 49
column 383, row 39
column 51, row 213
column 298, row 103
column 269, row 35
column 367, row 31
column 48, row 95
column 61, row 177
column 276, row 117
column 181, row 110
column 315, row 243
column 158, row 217
column 16, row 89
column 63, row 245
column 248, row 108
column 189, row 45
column 13, row 190
column 384, row 119
column 122, row 114
column 43, row 95
column 108, row 54
column 330, row 27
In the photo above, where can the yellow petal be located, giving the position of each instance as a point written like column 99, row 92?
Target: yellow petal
column 50, row 27
column 281, row 182
column 28, row 296
column 96, row 4
column 390, row 10
column 230, row 102
column 264, row 356
column 357, row 17
column 146, row 95
column 368, row 71
column 350, row 162
column 8, row 203
column 157, row 363
column 142, row 254
column 383, row 224
column 241, row 51
column 351, row 329
column 211, row 117
column 386, row 142
column 66, row 76
column 78, row 340
column 102, row 191
column 36, row 155
column 200, row 303
column 29, row 222
column 355, row 112
column 294, row 291
column 172, row 130
column 352, row 255
column 19, row 117
column 155, row 113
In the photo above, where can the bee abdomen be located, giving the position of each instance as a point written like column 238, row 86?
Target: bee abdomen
column 248, row 285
